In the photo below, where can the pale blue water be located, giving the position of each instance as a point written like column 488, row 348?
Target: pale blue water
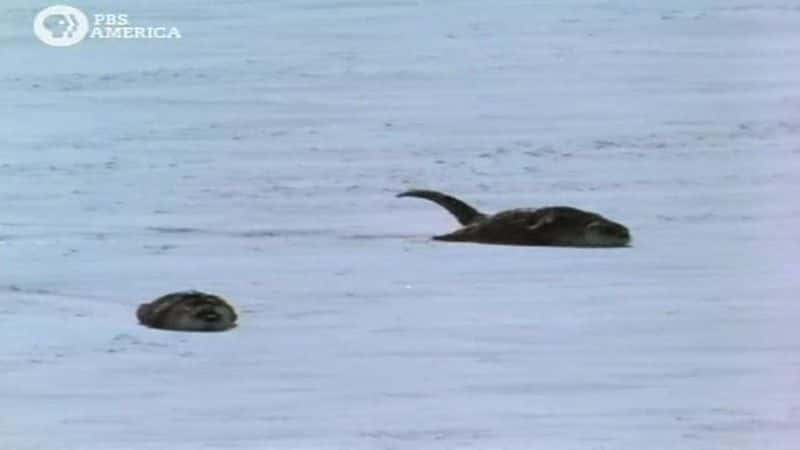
column 258, row 157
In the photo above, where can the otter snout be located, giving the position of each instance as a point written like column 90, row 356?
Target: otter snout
column 210, row 315
column 607, row 234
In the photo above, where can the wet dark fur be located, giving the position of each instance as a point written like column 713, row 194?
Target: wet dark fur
column 165, row 311
column 549, row 226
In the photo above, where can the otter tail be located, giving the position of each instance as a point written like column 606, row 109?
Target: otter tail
column 464, row 213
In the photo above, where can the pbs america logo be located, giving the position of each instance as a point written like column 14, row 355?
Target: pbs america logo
column 61, row 26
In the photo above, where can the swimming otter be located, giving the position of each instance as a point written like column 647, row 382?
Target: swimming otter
column 553, row 226
column 188, row 311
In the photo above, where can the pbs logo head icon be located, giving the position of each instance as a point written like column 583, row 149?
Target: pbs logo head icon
column 61, row 26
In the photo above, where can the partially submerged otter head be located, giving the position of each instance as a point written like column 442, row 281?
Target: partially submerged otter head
column 188, row 311
column 605, row 233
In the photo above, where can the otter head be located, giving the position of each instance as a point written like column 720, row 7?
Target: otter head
column 202, row 315
column 605, row 233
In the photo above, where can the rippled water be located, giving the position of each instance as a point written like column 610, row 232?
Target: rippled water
column 258, row 158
